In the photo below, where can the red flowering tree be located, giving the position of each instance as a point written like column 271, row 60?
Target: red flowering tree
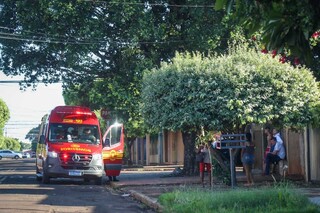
column 290, row 27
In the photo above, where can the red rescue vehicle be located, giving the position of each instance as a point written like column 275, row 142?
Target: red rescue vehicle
column 70, row 145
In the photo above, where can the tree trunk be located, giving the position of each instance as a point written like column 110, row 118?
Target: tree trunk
column 220, row 159
column 189, row 140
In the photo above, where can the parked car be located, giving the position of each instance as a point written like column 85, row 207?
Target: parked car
column 26, row 155
column 33, row 154
column 9, row 154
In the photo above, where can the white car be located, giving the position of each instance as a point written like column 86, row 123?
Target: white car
column 26, row 155
column 9, row 154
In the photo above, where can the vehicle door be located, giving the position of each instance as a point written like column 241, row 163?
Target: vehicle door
column 113, row 148
column 41, row 147
column 8, row 154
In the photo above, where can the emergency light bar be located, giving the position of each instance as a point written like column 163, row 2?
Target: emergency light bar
column 75, row 113
column 72, row 114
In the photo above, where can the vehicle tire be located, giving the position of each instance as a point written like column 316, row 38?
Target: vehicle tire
column 86, row 180
column 45, row 176
column 16, row 157
column 0, row 157
column 98, row 181
column 38, row 177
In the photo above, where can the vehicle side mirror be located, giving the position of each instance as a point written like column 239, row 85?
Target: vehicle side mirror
column 106, row 142
column 42, row 139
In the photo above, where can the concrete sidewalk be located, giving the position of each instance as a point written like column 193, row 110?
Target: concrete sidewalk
column 148, row 187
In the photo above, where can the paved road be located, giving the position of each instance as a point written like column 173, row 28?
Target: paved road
column 20, row 192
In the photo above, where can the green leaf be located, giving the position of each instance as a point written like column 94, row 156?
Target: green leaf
column 220, row 4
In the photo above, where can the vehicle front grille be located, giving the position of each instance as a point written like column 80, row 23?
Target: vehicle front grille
column 75, row 159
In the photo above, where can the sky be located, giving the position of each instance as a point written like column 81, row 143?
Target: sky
column 27, row 107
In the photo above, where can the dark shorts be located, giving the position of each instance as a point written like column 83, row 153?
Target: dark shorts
column 248, row 159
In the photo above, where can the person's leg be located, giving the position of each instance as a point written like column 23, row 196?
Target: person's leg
column 267, row 171
column 246, row 167
column 209, row 172
column 114, row 178
column 268, row 161
column 201, row 168
column 264, row 165
column 277, row 159
column 250, row 174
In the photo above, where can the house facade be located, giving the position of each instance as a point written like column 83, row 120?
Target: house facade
column 302, row 150
column 163, row 148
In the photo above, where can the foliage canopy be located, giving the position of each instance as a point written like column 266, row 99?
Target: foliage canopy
column 227, row 92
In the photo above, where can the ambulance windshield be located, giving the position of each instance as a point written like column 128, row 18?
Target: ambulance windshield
column 74, row 133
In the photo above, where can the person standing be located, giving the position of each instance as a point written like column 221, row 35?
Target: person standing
column 247, row 157
column 205, row 164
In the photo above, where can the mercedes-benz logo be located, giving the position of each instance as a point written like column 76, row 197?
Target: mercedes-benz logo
column 76, row 158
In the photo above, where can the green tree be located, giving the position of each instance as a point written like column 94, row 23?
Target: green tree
column 288, row 27
column 11, row 143
column 32, row 136
column 78, row 41
column 225, row 93
column 4, row 117
column 25, row 146
column 101, row 49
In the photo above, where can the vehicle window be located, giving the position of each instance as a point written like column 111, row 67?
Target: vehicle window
column 114, row 136
column 74, row 133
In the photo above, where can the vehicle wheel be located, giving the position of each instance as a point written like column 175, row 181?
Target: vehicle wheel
column 38, row 177
column 0, row 157
column 86, row 180
column 16, row 157
column 45, row 176
column 98, row 181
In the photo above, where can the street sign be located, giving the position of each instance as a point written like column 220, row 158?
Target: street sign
column 105, row 114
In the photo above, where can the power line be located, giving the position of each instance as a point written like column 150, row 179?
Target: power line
column 50, row 40
column 62, row 39
column 45, row 40
column 22, row 81
column 146, row 4
column 10, row 81
column 23, row 124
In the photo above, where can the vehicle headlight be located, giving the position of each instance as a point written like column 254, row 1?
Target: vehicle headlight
column 96, row 157
column 52, row 154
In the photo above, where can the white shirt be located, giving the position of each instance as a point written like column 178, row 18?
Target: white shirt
column 279, row 146
column 278, row 137
column 206, row 156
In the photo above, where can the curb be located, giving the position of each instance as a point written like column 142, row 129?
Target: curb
column 152, row 203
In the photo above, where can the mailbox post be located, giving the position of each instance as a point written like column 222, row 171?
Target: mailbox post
column 231, row 142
